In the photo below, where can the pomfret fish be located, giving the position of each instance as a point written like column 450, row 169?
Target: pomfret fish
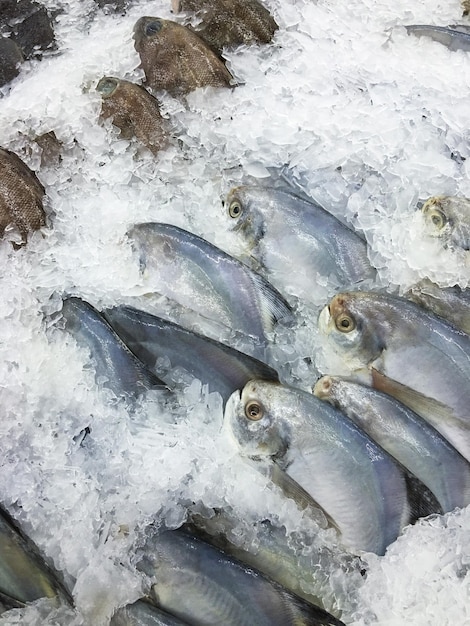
column 455, row 37
column 201, row 585
column 450, row 303
column 404, row 435
column 203, row 278
column 21, row 195
column 116, row 367
column 142, row 613
column 134, row 111
column 283, row 230
column 359, row 485
column 150, row 338
column 175, row 59
column 230, row 22
column 412, row 354
column 448, row 217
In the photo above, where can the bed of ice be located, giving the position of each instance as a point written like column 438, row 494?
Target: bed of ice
column 367, row 120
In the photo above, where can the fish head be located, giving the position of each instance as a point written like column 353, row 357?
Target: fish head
column 250, row 420
column 244, row 209
column 148, row 33
column 437, row 219
column 355, row 328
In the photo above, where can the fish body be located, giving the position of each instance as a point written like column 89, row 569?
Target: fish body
column 283, row 230
column 354, row 480
column 450, row 303
column 150, row 338
column 204, row 587
column 175, row 59
column 142, row 613
column 454, row 37
column 230, row 22
column 30, row 26
column 399, row 341
column 134, row 111
column 21, row 195
column 203, row 278
column 11, row 58
column 404, row 435
column 116, row 367
column 448, row 218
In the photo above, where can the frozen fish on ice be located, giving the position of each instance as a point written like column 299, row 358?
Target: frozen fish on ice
column 451, row 303
column 361, row 487
column 134, row 111
column 404, row 435
column 230, row 22
column 175, row 59
column 448, row 217
column 11, row 58
column 30, row 25
column 455, row 37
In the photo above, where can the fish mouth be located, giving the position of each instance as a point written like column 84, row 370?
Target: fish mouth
column 322, row 387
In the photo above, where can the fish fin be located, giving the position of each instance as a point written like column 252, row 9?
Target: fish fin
column 421, row 500
column 299, row 611
column 273, row 306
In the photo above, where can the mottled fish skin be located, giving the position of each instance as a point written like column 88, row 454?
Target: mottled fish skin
column 134, row 111
column 448, row 218
column 428, row 357
column 230, row 22
column 176, row 59
column 143, row 613
column 11, row 58
column 150, row 338
column 450, row 303
column 404, row 435
column 116, row 367
column 201, row 585
column 283, row 230
column 359, row 485
column 205, row 279
column 453, row 37
column 21, row 195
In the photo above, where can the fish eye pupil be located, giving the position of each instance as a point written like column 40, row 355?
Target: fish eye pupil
column 253, row 411
column 345, row 323
column 152, row 28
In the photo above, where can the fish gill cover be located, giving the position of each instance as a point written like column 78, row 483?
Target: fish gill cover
column 370, row 122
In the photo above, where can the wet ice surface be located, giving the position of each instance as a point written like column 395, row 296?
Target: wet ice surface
column 370, row 121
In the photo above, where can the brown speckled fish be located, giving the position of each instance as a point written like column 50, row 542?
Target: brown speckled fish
column 230, row 22
column 175, row 58
column 21, row 195
column 134, row 111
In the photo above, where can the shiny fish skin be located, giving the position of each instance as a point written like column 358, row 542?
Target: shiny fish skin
column 201, row 585
column 21, row 196
column 411, row 346
column 450, row 303
column 222, row 368
column 203, row 278
column 449, row 36
column 142, row 613
column 121, row 370
column 176, row 59
column 278, row 225
column 404, row 435
column 134, row 111
column 357, row 483
column 230, row 22
column 448, row 218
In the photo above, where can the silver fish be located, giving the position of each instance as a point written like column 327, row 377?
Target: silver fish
column 283, row 230
column 357, row 483
column 451, row 303
column 150, row 338
column 203, row 278
column 448, row 217
column 142, row 613
column 201, row 585
column 454, row 37
column 404, row 435
column 413, row 355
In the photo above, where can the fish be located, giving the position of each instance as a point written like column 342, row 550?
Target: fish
column 465, row 7
column 21, row 196
column 142, row 613
column 199, row 584
column 175, row 59
column 117, row 368
column 134, row 111
column 450, row 303
column 221, row 368
column 407, row 352
column 30, row 26
column 405, row 435
column 361, row 487
column 11, row 57
column 454, row 37
column 283, row 230
column 230, row 22
column 205, row 279
column 448, row 218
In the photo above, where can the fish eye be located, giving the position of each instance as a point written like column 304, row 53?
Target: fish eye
column 345, row 323
column 437, row 218
column 106, row 86
column 235, row 209
column 254, row 411
column 153, row 27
